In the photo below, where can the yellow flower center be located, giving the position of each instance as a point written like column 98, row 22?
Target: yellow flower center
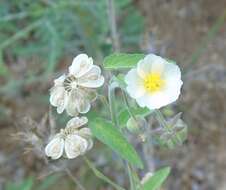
column 153, row 82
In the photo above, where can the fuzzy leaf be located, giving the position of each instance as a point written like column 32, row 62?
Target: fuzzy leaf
column 112, row 137
column 122, row 61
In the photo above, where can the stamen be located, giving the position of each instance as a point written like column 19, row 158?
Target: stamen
column 154, row 82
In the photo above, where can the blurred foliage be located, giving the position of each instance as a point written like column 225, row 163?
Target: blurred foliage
column 31, row 184
column 54, row 29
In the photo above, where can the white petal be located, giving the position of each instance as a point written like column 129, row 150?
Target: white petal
column 155, row 101
column 83, row 105
column 55, row 148
column 59, row 81
column 85, row 132
column 92, row 79
column 75, row 146
column 71, row 107
column 80, row 65
column 171, row 72
column 151, row 63
column 58, row 98
column 135, row 84
column 77, row 122
column 90, row 144
column 172, row 89
column 140, row 101
column 172, row 77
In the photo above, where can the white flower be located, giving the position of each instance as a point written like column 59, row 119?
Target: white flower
column 75, row 91
column 154, row 83
column 72, row 140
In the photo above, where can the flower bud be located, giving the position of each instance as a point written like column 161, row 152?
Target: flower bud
column 135, row 125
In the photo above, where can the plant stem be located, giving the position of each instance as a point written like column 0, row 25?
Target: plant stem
column 103, row 99
column 100, row 175
column 111, row 93
column 133, row 178
column 127, row 105
column 111, row 98
column 74, row 179
column 148, row 149
column 113, row 26
column 162, row 120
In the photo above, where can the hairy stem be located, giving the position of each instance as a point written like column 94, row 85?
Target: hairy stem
column 74, row 179
column 111, row 98
column 113, row 26
column 101, row 175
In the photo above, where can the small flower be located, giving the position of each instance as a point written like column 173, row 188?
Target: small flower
column 75, row 91
column 72, row 140
column 154, row 83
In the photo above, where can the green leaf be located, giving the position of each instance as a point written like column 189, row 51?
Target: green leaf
column 112, row 137
column 122, row 61
column 156, row 180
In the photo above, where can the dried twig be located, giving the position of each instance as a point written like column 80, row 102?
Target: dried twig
column 113, row 26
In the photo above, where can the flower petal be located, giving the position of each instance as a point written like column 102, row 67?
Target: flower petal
column 92, row 79
column 90, row 144
column 171, row 72
column 173, row 89
column 80, row 65
column 151, row 63
column 77, row 103
column 135, row 84
column 86, row 132
column 60, row 80
column 75, row 146
column 55, row 147
column 77, row 122
column 154, row 101
column 83, row 105
column 71, row 107
column 58, row 98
